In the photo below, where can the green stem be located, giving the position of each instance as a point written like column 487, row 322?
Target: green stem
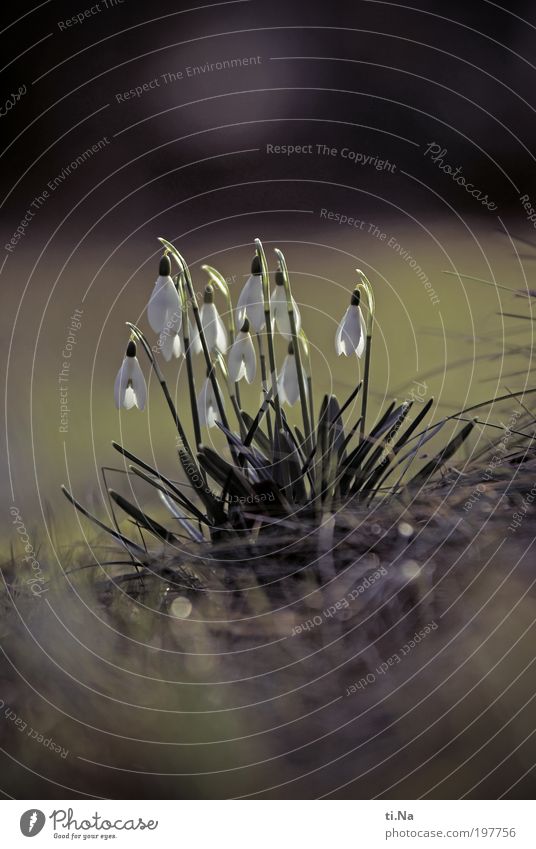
column 268, row 321
column 311, row 399
column 220, row 281
column 365, row 284
column 262, row 363
column 297, row 352
column 191, row 382
column 236, row 407
column 364, row 397
column 160, row 377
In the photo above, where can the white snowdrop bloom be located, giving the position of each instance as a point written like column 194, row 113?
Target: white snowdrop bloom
column 351, row 333
column 251, row 301
column 287, row 382
column 130, row 389
column 170, row 341
column 242, row 361
column 207, row 406
column 280, row 309
column 212, row 324
column 164, row 301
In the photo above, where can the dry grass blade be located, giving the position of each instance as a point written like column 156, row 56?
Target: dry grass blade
column 142, row 518
column 129, row 544
column 213, row 505
column 183, row 499
column 445, row 454
column 384, row 468
column 368, row 468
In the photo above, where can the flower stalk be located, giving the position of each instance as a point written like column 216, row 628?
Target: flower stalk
column 283, row 271
column 183, row 266
column 269, row 335
column 189, row 365
column 221, row 283
column 160, row 377
column 367, row 288
column 264, row 384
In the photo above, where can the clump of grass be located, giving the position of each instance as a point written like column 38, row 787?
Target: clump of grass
column 274, row 478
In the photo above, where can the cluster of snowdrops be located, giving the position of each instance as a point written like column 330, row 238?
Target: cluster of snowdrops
column 232, row 348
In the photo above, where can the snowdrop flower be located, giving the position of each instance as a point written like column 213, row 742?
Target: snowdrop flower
column 164, row 301
column 212, row 324
column 130, row 389
column 287, row 383
column 170, row 341
column 242, row 361
column 251, row 301
column 207, row 406
column 280, row 309
column 351, row 333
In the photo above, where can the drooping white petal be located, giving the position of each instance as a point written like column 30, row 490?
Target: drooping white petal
column 170, row 341
column 235, row 361
column 363, row 335
column 130, row 389
column 280, row 313
column 351, row 333
column 138, row 383
column 242, row 361
column 213, row 328
column 207, row 407
column 195, row 340
column 170, row 345
column 163, row 303
column 121, row 382
column 250, row 360
column 209, row 323
column 287, row 384
column 251, row 304
column 174, row 321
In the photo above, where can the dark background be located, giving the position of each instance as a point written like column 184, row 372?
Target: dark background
column 461, row 74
